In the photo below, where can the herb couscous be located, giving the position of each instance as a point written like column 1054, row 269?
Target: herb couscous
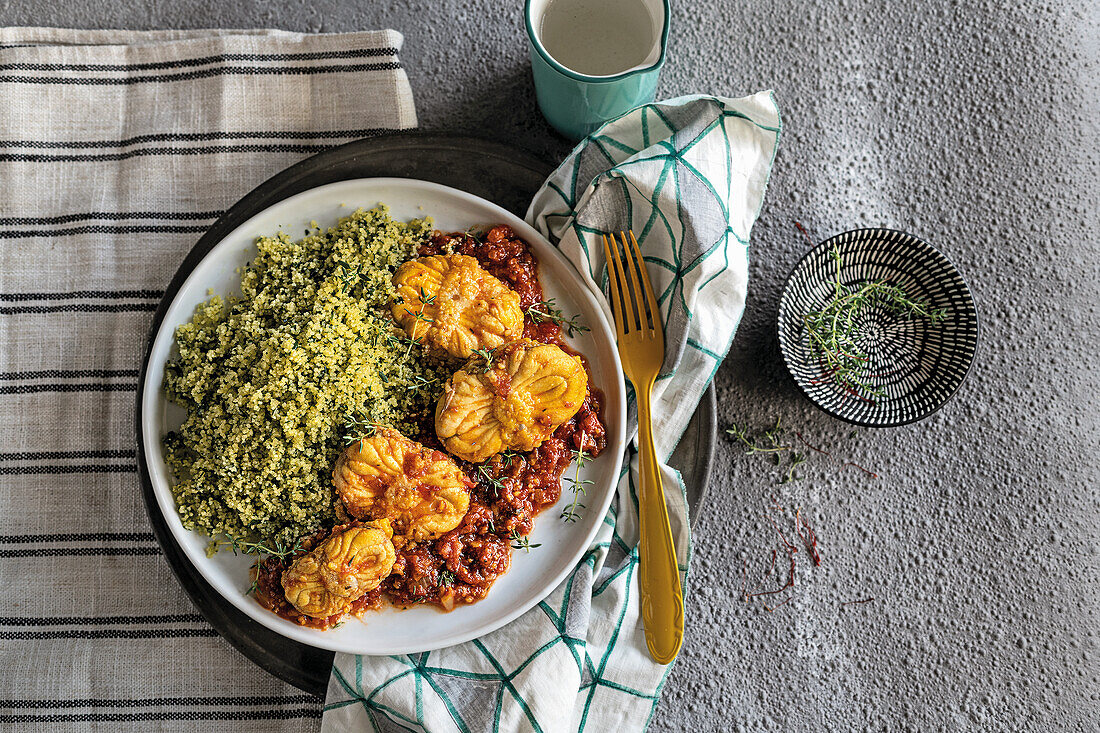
column 276, row 381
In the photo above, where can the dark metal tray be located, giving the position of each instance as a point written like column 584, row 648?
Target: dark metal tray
column 502, row 174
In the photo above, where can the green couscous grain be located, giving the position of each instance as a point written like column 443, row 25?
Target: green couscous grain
column 276, row 381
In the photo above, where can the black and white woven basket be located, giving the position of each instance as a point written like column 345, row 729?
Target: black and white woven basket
column 916, row 365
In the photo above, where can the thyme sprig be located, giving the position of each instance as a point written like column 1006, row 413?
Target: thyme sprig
column 797, row 459
column 348, row 274
column 395, row 339
column 419, row 381
column 522, row 542
column 770, row 442
column 547, row 311
column 357, row 427
column 578, row 487
column 485, row 475
column 757, row 444
column 834, row 332
column 280, row 549
column 481, row 361
column 774, row 443
column 418, row 318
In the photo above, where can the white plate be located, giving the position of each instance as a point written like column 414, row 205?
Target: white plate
column 532, row 575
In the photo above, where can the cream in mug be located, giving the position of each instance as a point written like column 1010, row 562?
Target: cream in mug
column 598, row 37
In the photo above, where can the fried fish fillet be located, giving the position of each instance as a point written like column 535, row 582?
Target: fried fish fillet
column 422, row 492
column 513, row 404
column 450, row 302
column 353, row 560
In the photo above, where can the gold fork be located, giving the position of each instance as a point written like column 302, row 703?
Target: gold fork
column 641, row 338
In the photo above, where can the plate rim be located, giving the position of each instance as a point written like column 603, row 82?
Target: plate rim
column 198, row 254
column 781, row 309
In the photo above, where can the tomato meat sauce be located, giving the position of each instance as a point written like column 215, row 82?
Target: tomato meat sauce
column 512, row 488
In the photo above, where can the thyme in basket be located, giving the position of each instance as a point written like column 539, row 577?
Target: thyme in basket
column 834, row 331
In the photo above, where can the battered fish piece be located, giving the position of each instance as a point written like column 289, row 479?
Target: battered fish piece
column 515, row 404
column 387, row 476
column 355, row 559
column 450, row 302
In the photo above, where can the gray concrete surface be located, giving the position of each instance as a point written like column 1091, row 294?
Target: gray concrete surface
column 970, row 123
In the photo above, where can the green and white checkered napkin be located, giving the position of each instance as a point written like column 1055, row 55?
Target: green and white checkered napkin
column 688, row 176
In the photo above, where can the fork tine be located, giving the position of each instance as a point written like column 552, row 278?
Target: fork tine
column 636, row 290
column 614, row 281
column 650, row 296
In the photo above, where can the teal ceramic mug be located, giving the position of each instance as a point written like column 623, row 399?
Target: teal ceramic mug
column 593, row 60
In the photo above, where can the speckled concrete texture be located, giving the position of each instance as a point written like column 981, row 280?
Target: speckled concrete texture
column 971, row 124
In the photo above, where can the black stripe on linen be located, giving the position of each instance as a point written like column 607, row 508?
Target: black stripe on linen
column 78, row 308
column 81, row 552
column 17, row 539
column 254, row 700
column 202, row 74
column 11, row 221
column 60, row 455
column 354, row 53
column 176, row 137
column 49, row 470
column 68, row 374
column 82, row 294
column 36, row 388
column 109, row 634
column 218, row 715
column 178, row 618
column 204, row 150
column 104, row 229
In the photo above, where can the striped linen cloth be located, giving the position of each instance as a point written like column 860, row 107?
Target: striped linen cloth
column 117, row 150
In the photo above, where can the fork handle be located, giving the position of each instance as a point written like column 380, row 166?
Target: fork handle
column 662, row 600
